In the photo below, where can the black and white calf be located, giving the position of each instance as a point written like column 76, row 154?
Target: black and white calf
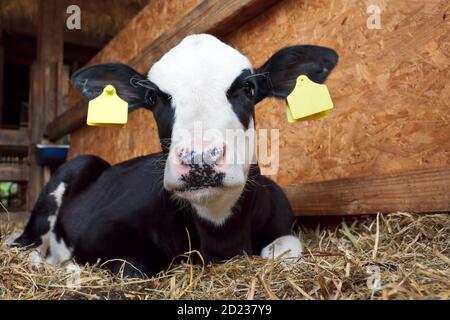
column 198, row 193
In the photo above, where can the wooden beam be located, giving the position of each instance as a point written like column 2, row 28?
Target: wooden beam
column 13, row 172
column 217, row 17
column 14, row 138
column 414, row 191
column 69, row 121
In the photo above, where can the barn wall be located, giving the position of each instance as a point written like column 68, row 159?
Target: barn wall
column 390, row 89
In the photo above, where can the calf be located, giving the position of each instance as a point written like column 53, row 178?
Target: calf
column 199, row 193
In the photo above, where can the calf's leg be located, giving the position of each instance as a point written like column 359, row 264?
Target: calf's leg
column 67, row 182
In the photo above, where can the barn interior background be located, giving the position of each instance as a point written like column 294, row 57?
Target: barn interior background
column 384, row 148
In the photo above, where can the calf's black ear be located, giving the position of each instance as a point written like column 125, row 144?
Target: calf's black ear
column 279, row 74
column 130, row 85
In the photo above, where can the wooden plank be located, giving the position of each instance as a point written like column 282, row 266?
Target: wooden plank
column 2, row 62
column 50, row 36
column 426, row 190
column 14, row 138
column 36, row 112
column 214, row 16
column 62, row 88
column 44, row 93
column 50, row 46
column 13, row 172
column 50, row 91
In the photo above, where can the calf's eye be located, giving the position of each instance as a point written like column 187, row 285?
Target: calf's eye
column 249, row 89
column 150, row 96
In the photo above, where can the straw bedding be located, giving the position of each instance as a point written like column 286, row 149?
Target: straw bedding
column 394, row 256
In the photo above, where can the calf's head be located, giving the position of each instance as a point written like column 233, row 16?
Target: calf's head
column 202, row 94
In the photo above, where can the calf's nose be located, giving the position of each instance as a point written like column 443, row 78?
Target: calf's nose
column 210, row 155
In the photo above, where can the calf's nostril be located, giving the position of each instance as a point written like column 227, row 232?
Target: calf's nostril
column 213, row 155
column 189, row 157
column 210, row 156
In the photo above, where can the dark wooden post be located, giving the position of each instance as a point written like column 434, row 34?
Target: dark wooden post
column 2, row 60
column 36, row 109
column 46, row 82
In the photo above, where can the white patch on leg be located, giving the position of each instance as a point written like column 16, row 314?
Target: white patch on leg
column 59, row 251
column 288, row 246
column 52, row 220
column 58, row 193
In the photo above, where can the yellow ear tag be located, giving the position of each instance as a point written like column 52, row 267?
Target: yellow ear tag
column 108, row 109
column 308, row 101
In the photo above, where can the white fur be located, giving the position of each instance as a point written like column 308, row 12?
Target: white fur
column 195, row 69
column 53, row 251
column 288, row 245
column 197, row 74
column 59, row 252
column 211, row 214
column 58, row 193
column 52, row 220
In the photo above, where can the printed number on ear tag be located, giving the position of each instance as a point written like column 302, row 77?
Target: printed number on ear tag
column 107, row 110
column 308, row 101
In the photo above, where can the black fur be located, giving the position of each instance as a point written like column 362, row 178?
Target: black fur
column 277, row 77
column 243, row 104
column 91, row 80
column 109, row 219
column 201, row 176
column 279, row 74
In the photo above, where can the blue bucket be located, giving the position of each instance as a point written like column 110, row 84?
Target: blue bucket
column 51, row 155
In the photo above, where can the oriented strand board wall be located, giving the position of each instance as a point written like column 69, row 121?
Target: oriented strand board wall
column 391, row 91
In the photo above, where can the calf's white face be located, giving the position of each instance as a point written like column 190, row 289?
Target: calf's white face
column 197, row 75
column 202, row 93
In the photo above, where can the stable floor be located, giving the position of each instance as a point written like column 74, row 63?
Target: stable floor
column 395, row 256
